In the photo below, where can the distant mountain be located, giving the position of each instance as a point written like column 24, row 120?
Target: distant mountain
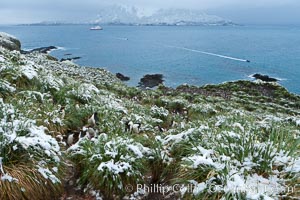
column 133, row 16
column 118, row 15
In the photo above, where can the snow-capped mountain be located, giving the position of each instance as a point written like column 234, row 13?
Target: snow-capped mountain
column 184, row 17
column 133, row 16
column 118, row 15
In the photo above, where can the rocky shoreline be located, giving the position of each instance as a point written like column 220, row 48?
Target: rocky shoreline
column 233, row 134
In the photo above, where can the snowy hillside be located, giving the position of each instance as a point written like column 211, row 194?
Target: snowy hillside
column 236, row 140
column 134, row 16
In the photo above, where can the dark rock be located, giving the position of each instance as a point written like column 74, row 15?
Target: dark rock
column 122, row 77
column 9, row 42
column 67, row 54
column 73, row 58
column 39, row 50
column 264, row 78
column 151, row 80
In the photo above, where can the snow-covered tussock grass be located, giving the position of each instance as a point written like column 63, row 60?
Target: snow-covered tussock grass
column 5, row 86
column 29, row 70
column 110, row 101
column 184, row 136
column 20, row 135
column 50, row 82
column 110, row 162
column 2, row 59
column 249, row 136
column 233, row 160
column 159, row 112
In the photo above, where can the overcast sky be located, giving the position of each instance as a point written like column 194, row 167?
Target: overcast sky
column 240, row 11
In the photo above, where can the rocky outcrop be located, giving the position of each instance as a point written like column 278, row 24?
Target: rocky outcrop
column 70, row 59
column 265, row 78
column 40, row 50
column 151, row 80
column 9, row 42
column 122, row 77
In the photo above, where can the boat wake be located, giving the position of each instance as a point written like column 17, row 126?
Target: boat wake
column 120, row 38
column 208, row 53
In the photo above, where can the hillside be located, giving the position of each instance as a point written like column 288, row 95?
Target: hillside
column 237, row 140
column 171, row 17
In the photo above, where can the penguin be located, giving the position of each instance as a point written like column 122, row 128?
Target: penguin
column 173, row 123
column 72, row 138
column 132, row 128
column 159, row 128
column 91, row 133
column 62, row 111
column 135, row 128
column 59, row 138
column 128, row 126
column 93, row 120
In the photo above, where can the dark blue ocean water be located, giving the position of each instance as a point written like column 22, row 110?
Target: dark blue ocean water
column 175, row 51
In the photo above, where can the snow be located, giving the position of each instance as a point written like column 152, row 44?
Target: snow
column 248, row 163
column 29, row 71
column 115, row 152
column 7, row 36
column 5, row 85
column 35, row 95
column 281, row 158
column 1, row 167
column 160, row 111
column 199, row 187
column 96, row 157
column 232, row 134
column 294, row 166
column 1, row 59
column 85, row 91
column 179, row 137
column 183, row 135
column 253, row 185
column 39, row 140
column 47, row 174
column 203, row 151
column 139, row 150
column 221, row 120
column 55, row 169
column 8, row 178
column 198, row 160
column 112, row 102
column 238, row 125
column 4, row 176
column 116, row 168
column 132, row 15
column 51, row 82
column 298, row 122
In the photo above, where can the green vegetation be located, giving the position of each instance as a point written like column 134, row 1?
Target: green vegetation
column 237, row 140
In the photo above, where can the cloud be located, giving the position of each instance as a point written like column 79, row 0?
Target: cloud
column 16, row 11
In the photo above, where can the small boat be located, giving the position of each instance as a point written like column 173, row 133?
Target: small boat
column 96, row 28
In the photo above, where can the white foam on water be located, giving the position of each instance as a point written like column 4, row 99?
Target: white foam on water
column 208, row 53
column 60, row 48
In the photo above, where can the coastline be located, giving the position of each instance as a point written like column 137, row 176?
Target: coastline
column 192, row 136
column 197, row 70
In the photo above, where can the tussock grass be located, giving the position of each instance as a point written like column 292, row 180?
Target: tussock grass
column 28, row 183
column 236, row 132
column 107, row 164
